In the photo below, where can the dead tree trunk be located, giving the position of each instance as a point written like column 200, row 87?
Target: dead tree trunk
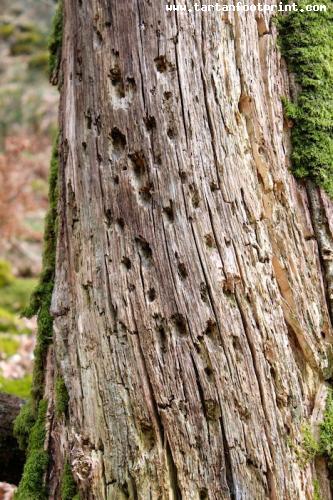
column 11, row 457
column 192, row 326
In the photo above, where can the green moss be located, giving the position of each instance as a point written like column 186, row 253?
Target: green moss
column 309, row 443
column 55, row 41
column 39, row 61
column 6, row 31
column 40, row 302
column 9, row 322
column 14, row 297
column 307, row 44
column 32, row 485
column 316, row 490
column 8, row 346
column 309, row 447
column 6, row 275
column 61, row 397
column 23, row 425
column 28, row 42
column 326, row 430
column 20, row 387
column 68, row 486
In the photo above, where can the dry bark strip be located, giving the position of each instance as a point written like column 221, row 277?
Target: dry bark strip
column 191, row 322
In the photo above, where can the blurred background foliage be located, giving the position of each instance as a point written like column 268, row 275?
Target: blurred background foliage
column 28, row 111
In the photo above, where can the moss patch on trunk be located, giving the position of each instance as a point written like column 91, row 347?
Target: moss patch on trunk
column 306, row 42
column 32, row 482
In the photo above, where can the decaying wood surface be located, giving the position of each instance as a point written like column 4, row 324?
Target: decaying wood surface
column 194, row 278
column 11, row 457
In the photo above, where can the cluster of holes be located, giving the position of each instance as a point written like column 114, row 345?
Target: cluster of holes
column 161, row 331
column 182, row 271
column 139, row 166
column 214, row 187
column 169, row 211
column 118, row 141
column 171, row 133
column 145, row 250
column 210, row 241
column 117, row 81
column 126, row 262
column 150, row 123
column 179, row 323
column 195, row 197
column 204, row 292
column 211, row 328
column 151, row 294
column 161, row 64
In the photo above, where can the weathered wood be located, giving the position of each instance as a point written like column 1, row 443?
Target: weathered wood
column 11, row 457
column 191, row 321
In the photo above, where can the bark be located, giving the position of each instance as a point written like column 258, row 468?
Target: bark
column 11, row 457
column 193, row 287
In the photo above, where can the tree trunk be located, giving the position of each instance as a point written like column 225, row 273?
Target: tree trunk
column 192, row 297
column 11, row 457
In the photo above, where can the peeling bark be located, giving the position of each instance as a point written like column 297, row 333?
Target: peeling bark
column 191, row 302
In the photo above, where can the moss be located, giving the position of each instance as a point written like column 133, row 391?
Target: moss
column 32, row 483
column 9, row 322
column 309, row 447
column 68, row 486
column 326, row 430
column 39, row 61
column 55, row 40
column 309, row 443
column 61, row 397
column 6, row 275
column 6, row 31
column 8, row 346
column 14, row 297
column 316, row 490
column 28, row 42
column 40, row 302
column 307, row 44
column 20, row 387
column 23, row 425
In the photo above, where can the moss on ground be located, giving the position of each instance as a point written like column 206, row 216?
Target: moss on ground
column 6, row 31
column 68, row 486
column 15, row 296
column 32, row 482
column 61, row 397
column 8, row 346
column 306, row 42
column 20, row 387
column 6, row 275
column 55, row 40
column 39, row 61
